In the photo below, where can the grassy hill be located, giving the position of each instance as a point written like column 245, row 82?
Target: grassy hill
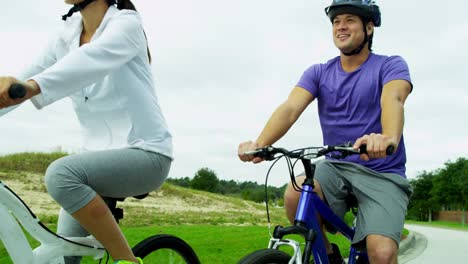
column 170, row 205
column 221, row 229
column 214, row 225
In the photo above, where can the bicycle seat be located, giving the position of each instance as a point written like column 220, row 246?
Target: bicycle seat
column 139, row 197
column 352, row 203
column 112, row 204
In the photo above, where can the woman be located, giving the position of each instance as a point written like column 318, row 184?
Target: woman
column 101, row 61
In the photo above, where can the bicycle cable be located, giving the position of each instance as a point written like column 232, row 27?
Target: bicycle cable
column 291, row 175
column 295, row 185
column 266, row 194
column 266, row 189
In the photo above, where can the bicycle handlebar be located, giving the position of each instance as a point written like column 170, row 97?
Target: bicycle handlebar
column 269, row 152
column 389, row 151
column 17, row 91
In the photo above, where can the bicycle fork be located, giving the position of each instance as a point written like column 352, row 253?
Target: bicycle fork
column 306, row 218
column 296, row 258
column 311, row 232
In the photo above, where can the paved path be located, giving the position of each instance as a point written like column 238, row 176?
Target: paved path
column 436, row 245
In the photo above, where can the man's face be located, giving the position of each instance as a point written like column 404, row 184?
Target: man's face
column 348, row 32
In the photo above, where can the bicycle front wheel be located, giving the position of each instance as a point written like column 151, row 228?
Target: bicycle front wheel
column 165, row 249
column 266, row 256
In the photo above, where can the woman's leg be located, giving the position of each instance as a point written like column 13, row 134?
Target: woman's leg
column 76, row 183
column 97, row 219
column 68, row 227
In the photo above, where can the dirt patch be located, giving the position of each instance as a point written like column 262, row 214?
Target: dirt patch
column 31, row 193
column 170, row 205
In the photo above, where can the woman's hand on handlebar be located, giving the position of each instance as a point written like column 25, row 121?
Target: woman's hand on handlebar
column 245, row 147
column 5, row 83
column 32, row 89
column 376, row 145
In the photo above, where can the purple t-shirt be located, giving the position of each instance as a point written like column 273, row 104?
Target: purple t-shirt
column 349, row 103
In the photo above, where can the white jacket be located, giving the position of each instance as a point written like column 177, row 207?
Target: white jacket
column 109, row 81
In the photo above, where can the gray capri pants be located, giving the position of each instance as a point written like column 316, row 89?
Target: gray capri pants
column 382, row 197
column 73, row 181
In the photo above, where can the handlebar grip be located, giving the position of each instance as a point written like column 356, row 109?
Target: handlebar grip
column 17, row 91
column 390, row 149
column 266, row 153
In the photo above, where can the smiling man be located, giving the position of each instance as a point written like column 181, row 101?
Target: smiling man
column 360, row 99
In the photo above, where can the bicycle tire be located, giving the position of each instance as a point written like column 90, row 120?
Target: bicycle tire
column 152, row 248
column 266, row 256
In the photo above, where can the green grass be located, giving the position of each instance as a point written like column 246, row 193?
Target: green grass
column 213, row 244
column 28, row 161
column 223, row 235
column 442, row 224
column 405, row 232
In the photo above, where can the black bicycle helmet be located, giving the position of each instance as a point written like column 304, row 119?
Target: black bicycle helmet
column 366, row 9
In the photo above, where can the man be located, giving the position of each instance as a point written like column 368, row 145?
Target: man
column 360, row 98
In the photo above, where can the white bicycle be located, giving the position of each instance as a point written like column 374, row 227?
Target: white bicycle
column 17, row 218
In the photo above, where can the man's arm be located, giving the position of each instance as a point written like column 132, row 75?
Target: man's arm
column 392, row 102
column 279, row 123
column 285, row 116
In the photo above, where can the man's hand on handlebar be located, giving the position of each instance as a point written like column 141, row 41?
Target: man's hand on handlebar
column 376, row 145
column 246, row 147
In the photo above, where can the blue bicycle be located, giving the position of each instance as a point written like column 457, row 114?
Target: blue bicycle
column 306, row 223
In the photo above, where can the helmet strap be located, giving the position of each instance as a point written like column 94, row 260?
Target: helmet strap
column 76, row 8
column 363, row 44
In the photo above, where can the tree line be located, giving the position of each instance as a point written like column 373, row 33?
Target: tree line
column 440, row 190
column 206, row 179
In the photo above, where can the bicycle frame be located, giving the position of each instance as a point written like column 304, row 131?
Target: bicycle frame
column 16, row 214
column 307, row 225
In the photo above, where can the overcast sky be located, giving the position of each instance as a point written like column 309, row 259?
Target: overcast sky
column 222, row 67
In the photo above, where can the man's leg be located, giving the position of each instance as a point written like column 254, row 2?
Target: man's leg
column 382, row 198
column 381, row 250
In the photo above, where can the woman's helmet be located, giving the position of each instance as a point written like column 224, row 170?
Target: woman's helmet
column 366, row 9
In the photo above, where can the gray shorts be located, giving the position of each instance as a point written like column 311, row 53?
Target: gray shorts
column 73, row 181
column 382, row 197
